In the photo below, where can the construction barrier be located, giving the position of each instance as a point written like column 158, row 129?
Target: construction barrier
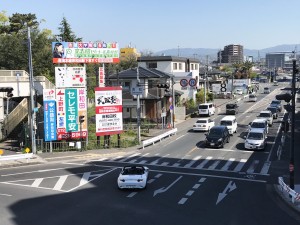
column 159, row 137
column 284, row 187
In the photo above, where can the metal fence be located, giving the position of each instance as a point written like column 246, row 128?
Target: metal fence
column 64, row 146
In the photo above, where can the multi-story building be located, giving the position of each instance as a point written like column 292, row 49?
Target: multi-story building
column 231, row 54
column 279, row 60
column 129, row 53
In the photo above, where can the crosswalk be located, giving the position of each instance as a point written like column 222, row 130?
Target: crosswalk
column 200, row 162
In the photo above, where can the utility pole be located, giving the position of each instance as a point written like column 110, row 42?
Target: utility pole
column 138, row 108
column 31, row 89
column 205, row 78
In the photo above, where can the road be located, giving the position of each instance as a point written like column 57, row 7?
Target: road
column 188, row 183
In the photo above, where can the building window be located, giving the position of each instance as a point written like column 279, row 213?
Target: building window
column 180, row 66
column 151, row 65
column 196, row 66
column 127, row 109
column 192, row 66
column 174, row 66
column 126, row 85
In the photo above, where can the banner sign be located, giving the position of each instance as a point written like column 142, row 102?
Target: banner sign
column 101, row 77
column 85, row 52
column 70, row 77
column 49, row 115
column 109, row 117
column 71, row 103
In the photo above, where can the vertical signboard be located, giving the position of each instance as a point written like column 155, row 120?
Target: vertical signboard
column 101, row 77
column 71, row 103
column 49, row 115
column 109, row 118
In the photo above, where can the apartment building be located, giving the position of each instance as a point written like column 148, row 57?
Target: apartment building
column 231, row 54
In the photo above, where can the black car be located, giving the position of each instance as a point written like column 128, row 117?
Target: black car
column 232, row 108
column 217, row 137
column 274, row 110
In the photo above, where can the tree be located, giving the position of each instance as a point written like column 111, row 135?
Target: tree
column 66, row 34
column 19, row 22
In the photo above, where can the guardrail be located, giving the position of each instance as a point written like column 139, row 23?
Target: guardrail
column 159, row 137
column 15, row 157
column 284, row 187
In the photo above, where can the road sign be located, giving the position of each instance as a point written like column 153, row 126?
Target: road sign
column 1, row 152
column 184, row 82
column 192, row 82
column 27, row 150
column 171, row 107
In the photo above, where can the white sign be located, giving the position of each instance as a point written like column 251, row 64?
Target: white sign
column 49, row 94
column 67, row 77
column 137, row 91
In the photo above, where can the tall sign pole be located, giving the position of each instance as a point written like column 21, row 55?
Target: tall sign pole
column 31, row 88
column 292, row 163
column 138, row 109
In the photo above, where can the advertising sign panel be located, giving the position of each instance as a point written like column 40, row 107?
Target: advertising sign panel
column 85, row 52
column 109, row 118
column 49, row 115
column 68, row 77
column 71, row 103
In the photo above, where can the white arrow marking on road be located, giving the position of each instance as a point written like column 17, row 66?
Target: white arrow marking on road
column 163, row 189
column 230, row 187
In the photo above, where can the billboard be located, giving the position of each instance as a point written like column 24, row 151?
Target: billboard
column 49, row 115
column 85, row 52
column 68, row 77
column 109, row 117
column 71, row 103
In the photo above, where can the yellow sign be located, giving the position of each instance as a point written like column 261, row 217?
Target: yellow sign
column 27, row 150
column 1, row 151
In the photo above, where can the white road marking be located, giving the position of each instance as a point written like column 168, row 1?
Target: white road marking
column 37, row 182
column 192, row 161
column 214, row 165
column 253, row 166
column 60, row 182
column 131, row 194
column 182, row 201
column 227, row 164
column 38, row 171
column 180, row 137
column 201, row 165
column 240, row 165
column 5, row 195
column 189, row 193
column 85, row 178
column 128, row 157
column 202, row 179
column 196, row 186
column 150, row 181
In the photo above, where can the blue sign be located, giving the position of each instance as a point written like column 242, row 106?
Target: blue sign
column 171, row 107
column 50, row 120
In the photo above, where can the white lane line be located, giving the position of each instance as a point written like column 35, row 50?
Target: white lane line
column 196, row 186
column 214, row 165
column 38, row 171
column 158, row 175
column 182, row 201
column 240, row 165
column 60, row 182
column 134, row 160
column 176, row 164
column 189, row 193
column 164, row 164
column 201, row 165
column 5, row 195
column 37, row 182
column 202, row 179
column 131, row 194
column 193, row 161
column 253, row 166
column 150, row 181
column 128, row 157
column 265, row 168
column 227, row 164
column 180, row 137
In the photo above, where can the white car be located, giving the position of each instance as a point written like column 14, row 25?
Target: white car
column 256, row 139
column 239, row 91
column 268, row 115
column 260, row 124
column 252, row 98
column 133, row 177
column 203, row 124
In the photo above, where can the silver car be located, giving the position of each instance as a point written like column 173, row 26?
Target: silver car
column 256, row 139
column 268, row 115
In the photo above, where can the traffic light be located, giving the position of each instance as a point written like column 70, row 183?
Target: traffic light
column 8, row 90
column 286, row 97
column 166, row 86
column 81, row 119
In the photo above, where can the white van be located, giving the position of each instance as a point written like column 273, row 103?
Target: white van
column 230, row 122
column 207, row 109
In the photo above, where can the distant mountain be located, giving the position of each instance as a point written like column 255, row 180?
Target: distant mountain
column 201, row 53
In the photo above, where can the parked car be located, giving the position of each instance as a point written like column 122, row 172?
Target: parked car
column 275, row 83
column 230, row 122
column 268, row 115
column 274, row 111
column 232, row 108
column 256, row 139
column 207, row 109
column 203, row 124
column 217, row 137
column 259, row 123
column 276, row 103
column 133, row 177
column 267, row 90
column 252, row 98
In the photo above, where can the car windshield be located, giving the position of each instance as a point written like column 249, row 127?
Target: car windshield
column 230, row 106
column 133, row 171
column 257, row 125
column 252, row 96
column 201, row 121
column 272, row 109
column 215, row 133
column 255, row 136
column 264, row 115
column 226, row 123
column 203, row 106
column 274, row 102
column 266, row 88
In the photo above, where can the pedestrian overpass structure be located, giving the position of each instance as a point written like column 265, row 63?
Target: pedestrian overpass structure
column 14, row 110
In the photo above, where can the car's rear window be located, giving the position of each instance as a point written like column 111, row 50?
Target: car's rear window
column 203, row 106
column 226, row 123
column 264, row 115
column 255, row 136
column 230, row 106
column 201, row 121
column 257, row 125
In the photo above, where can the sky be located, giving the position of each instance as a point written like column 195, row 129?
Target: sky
column 159, row 25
